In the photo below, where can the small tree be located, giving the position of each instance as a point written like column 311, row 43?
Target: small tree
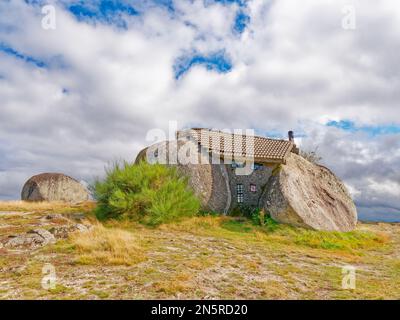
column 148, row 193
column 311, row 155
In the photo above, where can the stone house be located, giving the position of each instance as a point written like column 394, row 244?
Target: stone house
column 226, row 170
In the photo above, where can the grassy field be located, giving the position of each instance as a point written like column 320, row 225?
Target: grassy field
column 198, row 258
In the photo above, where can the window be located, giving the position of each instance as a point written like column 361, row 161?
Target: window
column 238, row 164
column 253, row 188
column 256, row 166
column 239, row 193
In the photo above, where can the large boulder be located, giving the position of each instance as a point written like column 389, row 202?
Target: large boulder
column 304, row 194
column 54, row 187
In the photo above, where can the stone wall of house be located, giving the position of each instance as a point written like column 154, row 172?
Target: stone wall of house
column 258, row 177
column 208, row 183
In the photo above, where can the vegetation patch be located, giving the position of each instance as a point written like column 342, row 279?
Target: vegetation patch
column 149, row 193
column 338, row 240
column 106, row 246
column 237, row 226
column 274, row 233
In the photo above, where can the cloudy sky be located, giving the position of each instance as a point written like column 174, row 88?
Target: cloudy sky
column 78, row 96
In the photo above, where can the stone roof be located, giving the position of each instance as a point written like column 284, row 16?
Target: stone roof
column 260, row 149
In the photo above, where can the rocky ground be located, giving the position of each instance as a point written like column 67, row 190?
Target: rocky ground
column 199, row 258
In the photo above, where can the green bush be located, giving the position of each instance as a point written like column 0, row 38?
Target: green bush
column 149, row 193
column 264, row 219
column 243, row 210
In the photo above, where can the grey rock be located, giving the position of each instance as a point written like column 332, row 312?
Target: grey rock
column 63, row 232
column 303, row 194
column 54, row 216
column 24, row 241
column 46, row 235
column 31, row 240
column 81, row 227
column 54, row 187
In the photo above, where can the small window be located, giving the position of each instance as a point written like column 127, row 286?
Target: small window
column 253, row 188
column 238, row 164
column 239, row 193
column 156, row 153
column 257, row 166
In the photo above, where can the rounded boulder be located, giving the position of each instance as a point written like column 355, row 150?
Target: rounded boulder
column 307, row 195
column 54, row 187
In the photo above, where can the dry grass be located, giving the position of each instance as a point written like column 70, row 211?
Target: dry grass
column 47, row 207
column 106, row 246
column 195, row 224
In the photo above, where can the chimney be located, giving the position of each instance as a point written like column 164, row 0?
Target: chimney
column 291, row 136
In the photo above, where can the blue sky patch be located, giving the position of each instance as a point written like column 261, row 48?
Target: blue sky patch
column 217, row 61
column 350, row 126
column 12, row 52
column 35, row 2
column 241, row 21
column 106, row 11
column 169, row 4
column 240, row 3
column 342, row 124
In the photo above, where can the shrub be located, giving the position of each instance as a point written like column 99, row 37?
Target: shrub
column 148, row 193
column 311, row 155
column 243, row 210
column 264, row 219
column 257, row 215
